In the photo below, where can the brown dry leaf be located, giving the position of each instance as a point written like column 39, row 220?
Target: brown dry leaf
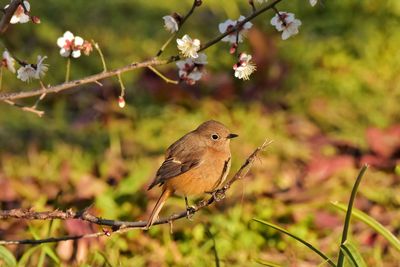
column 89, row 186
column 384, row 142
column 323, row 219
column 321, row 168
column 7, row 192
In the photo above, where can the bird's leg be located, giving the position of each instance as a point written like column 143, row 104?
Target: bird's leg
column 218, row 194
column 189, row 209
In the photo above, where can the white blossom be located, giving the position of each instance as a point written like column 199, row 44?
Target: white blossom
column 286, row 23
column 170, row 24
column 245, row 67
column 188, row 46
column 191, row 70
column 8, row 61
column 33, row 71
column 229, row 24
column 19, row 14
column 313, row 2
column 26, row 73
column 262, row 1
column 70, row 45
column 41, row 68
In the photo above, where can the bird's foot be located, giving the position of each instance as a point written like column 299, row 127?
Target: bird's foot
column 190, row 210
column 218, row 194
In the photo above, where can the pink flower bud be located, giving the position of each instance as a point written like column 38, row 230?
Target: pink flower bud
column 35, row 19
column 233, row 48
column 121, row 102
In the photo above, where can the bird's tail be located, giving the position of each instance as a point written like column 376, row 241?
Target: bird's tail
column 157, row 208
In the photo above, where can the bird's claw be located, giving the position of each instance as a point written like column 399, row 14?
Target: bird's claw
column 218, row 194
column 190, row 212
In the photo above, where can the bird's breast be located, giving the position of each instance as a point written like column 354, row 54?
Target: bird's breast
column 206, row 177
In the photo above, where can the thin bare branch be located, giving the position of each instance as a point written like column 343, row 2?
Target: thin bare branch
column 32, row 109
column 119, row 226
column 162, row 76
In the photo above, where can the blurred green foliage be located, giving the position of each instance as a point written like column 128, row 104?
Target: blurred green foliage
column 337, row 77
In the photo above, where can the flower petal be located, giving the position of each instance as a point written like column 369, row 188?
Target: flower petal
column 78, row 40
column 76, row 53
column 68, row 36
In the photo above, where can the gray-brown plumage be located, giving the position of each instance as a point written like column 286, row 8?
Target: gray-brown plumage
column 196, row 163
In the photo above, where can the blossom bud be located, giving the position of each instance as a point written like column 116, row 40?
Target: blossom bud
column 121, row 102
column 35, row 19
column 233, row 48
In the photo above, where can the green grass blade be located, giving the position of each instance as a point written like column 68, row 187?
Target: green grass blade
column 371, row 222
column 352, row 255
column 267, row 263
column 50, row 252
column 23, row 261
column 214, row 247
column 320, row 253
column 348, row 213
column 7, row 257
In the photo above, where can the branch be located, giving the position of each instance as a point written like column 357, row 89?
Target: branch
column 119, row 226
column 8, row 13
column 89, row 79
column 239, row 25
column 148, row 63
column 179, row 28
column 32, row 109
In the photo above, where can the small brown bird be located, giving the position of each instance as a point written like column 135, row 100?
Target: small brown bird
column 197, row 163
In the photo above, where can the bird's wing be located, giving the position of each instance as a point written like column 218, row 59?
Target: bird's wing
column 180, row 158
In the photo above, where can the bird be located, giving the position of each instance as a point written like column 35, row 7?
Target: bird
column 197, row 163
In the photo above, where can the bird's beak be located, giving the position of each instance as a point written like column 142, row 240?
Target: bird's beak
column 232, row 135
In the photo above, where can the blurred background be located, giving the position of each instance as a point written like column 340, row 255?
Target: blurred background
column 328, row 97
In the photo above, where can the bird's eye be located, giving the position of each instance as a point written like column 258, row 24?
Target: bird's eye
column 215, row 136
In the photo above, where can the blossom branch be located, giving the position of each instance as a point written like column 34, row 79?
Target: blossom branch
column 8, row 13
column 89, row 79
column 195, row 4
column 120, row 226
column 151, row 62
column 239, row 25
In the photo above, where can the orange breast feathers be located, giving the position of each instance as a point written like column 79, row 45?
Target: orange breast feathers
column 206, row 177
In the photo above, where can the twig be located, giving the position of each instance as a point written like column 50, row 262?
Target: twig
column 162, row 76
column 68, row 69
column 121, row 84
column 33, row 109
column 103, row 61
column 38, row 100
column 118, row 226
